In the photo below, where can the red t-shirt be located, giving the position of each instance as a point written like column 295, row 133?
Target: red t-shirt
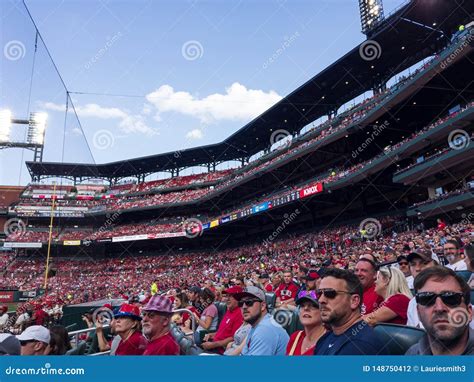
column 297, row 350
column 398, row 303
column 371, row 300
column 164, row 345
column 269, row 287
column 231, row 321
column 40, row 316
column 134, row 345
column 286, row 291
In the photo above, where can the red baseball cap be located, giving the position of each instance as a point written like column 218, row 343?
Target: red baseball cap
column 233, row 290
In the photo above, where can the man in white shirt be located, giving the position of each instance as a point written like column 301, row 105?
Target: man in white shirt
column 404, row 266
column 453, row 255
column 419, row 260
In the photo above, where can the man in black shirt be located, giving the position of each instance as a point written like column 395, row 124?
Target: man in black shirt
column 340, row 300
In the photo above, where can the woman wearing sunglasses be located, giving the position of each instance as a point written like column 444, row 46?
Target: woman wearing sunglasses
column 303, row 342
column 391, row 284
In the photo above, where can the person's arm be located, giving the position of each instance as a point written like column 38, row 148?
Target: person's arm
column 217, row 344
column 238, row 349
column 209, row 337
column 206, row 323
column 103, row 343
column 382, row 314
column 291, row 301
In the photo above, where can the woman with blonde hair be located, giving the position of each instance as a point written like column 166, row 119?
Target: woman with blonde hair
column 391, row 284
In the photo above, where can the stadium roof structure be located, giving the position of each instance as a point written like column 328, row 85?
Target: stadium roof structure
column 415, row 31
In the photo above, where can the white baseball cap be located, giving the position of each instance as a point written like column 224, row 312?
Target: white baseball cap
column 36, row 333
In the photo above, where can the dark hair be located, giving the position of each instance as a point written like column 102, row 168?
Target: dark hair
column 352, row 281
column 469, row 252
column 374, row 264
column 440, row 274
column 184, row 299
column 207, row 294
column 453, row 242
column 59, row 340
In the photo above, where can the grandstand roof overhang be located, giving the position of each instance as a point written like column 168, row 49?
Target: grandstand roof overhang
column 414, row 32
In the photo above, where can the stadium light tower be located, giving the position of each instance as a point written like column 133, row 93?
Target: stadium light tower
column 371, row 14
column 35, row 136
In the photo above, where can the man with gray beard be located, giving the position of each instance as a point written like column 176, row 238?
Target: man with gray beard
column 443, row 304
column 156, row 327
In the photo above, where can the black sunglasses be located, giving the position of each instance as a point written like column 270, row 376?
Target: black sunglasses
column 26, row 342
column 329, row 293
column 451, row 299
column 403, row 263
column 248, row 303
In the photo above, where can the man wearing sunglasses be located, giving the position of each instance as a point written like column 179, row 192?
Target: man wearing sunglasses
column 443, row 303
column 34, row 340
column 266, row 336
column 340, row 302
column 404, row 266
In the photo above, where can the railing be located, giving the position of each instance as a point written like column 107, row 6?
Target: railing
column 191, row 315
column 76, row 333
column 101, row 353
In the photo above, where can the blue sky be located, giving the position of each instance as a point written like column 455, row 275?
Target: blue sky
column 197, row 70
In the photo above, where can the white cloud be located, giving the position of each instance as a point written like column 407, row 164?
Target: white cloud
column 237, row 103
column 128, row 123
column 194, row 134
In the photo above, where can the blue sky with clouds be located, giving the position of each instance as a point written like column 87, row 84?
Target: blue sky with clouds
column 188, row 72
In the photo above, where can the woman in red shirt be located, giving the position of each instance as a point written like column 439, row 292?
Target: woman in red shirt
column 391, row 284
column 127, row 326
column 303, row 342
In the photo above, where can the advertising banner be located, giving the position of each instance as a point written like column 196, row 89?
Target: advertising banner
column 22, row 245
column 312, row 189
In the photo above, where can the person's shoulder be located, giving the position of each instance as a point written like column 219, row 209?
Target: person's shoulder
column 414, row 349
column 399, row 298
column 295, row 334
column 269, row 326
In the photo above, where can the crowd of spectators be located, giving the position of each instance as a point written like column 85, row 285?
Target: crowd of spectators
column 341, row 282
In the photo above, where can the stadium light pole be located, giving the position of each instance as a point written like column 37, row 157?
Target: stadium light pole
column 53, row 198
column 35, row 134
column 371, row 14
